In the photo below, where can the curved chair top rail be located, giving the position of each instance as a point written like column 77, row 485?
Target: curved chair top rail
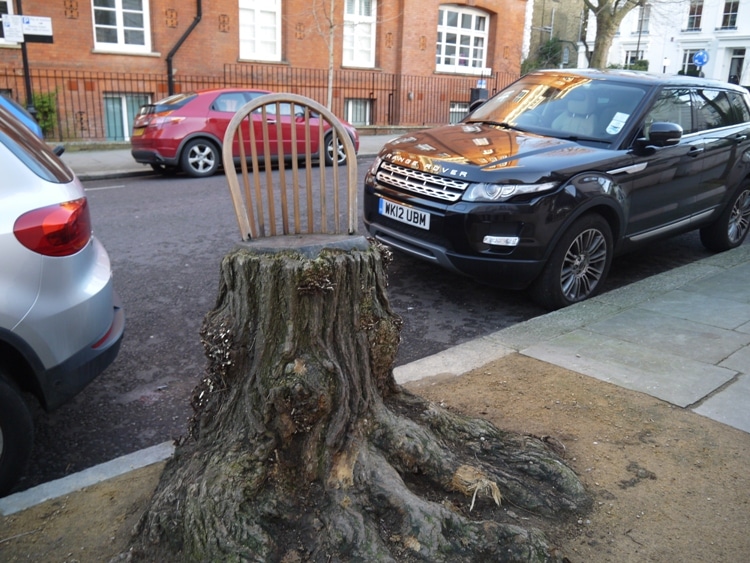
column 314, row 204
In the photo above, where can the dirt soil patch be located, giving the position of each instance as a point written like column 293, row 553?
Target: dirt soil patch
column 668, row 484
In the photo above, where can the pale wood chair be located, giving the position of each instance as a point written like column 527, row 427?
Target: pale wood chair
column 275, row 187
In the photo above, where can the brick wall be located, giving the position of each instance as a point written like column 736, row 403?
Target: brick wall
column 405, row 42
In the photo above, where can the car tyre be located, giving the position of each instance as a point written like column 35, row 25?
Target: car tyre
column 340, row 154
column 16, row 436
column 730, row 229
column 578, row 265
column 200, row 158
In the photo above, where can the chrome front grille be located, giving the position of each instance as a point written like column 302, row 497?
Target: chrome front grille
column 430, row 185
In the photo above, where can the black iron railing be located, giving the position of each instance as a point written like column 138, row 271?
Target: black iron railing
column 99, row 106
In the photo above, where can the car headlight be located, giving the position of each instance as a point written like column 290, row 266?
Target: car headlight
column 375, row 165
column 503, row 192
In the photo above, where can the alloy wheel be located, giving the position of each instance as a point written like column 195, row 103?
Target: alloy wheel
column 739, row 218
column 583, row 265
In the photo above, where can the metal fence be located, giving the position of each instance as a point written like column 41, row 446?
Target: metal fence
column 100, row 106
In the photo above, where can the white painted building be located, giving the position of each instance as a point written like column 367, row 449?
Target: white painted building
column 668, row 34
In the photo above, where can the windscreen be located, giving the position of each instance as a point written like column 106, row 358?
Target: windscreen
column 564, row 106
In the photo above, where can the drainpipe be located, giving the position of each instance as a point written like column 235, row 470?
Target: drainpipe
column 180, row 41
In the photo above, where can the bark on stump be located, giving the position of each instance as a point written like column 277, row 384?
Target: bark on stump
column 303, row 447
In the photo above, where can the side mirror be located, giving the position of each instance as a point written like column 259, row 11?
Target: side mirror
column 659, row 134
column 664, row 134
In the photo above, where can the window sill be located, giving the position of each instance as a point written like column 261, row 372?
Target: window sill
column 358, row 67
column 465, row 71
column 263, row 61
column 100, row 51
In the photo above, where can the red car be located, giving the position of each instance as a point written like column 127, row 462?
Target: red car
column 185, row 131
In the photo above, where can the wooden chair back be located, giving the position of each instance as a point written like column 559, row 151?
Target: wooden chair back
column 285, row 187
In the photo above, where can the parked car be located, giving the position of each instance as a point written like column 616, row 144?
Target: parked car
column 22, row 114
column 185, row 131
column 61, row 322
column 549, row 179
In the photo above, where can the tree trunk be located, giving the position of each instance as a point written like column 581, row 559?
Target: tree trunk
column 609, row 15
column 303, row 447
column 606, row 28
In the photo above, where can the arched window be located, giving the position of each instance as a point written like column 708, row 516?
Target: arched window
column 462, row 40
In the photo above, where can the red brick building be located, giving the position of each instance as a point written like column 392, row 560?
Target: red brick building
column 400, row 63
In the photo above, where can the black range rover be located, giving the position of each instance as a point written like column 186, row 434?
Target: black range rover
column 549, row 179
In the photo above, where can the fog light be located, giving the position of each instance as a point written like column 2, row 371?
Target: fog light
column 501, row 241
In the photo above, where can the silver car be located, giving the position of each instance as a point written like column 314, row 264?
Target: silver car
column 60, row 320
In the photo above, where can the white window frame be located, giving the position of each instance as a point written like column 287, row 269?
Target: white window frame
column 729, row 13
column 447, row 58
column 10, row 5
column 695, row 15
column 120, row 12
column 260, row 41
column 632, row 56
column 457, row 111
column 358, row 111
column 643, row 21
column 359, row 33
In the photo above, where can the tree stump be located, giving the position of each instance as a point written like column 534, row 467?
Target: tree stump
column 303, row 447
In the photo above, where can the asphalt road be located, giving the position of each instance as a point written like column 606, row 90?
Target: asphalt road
column 166, row 238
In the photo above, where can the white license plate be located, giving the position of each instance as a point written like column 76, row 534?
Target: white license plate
column 405, row 214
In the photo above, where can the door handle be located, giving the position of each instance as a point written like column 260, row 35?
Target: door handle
column 695, row 151
column 740, row 138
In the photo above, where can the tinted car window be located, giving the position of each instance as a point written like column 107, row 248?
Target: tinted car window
column 672, row 106
column 231, row 102
column 742, row 112
column 170, row 103
column 713, row 109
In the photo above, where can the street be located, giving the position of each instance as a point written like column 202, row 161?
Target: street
column 166, row 238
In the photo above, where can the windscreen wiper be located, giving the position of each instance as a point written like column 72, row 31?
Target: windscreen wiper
column 576, row 138
column 503, row 124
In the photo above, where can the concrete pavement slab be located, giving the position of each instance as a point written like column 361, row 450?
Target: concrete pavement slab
column 673, row 378
column 731, row 283
column 723, row 405
column 739, row 361
column 703, row 308
column 667, row 334
column 456, row 361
